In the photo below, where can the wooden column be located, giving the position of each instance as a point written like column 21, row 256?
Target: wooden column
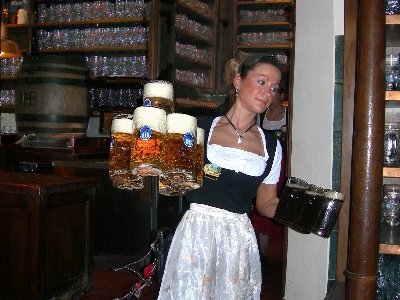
column 369, row 118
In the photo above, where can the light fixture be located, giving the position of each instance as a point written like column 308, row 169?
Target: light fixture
column 9, row 49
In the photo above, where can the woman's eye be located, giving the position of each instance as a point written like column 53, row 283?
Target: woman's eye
column 261, row 82
column 274, row 90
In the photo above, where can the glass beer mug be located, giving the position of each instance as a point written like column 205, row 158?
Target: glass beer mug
column 392, row 135
column 148, row 138
column 159, row 93
column 120, row 154
column 179, row 152
column 199, row 163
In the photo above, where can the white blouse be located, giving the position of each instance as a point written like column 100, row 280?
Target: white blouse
column 239, row 160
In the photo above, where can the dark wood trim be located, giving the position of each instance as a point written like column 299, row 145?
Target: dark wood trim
column 366, row 176
column 349, row 70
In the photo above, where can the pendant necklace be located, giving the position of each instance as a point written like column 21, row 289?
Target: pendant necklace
column 238, row 133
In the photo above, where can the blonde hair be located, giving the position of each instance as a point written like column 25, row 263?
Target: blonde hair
column 232, row 67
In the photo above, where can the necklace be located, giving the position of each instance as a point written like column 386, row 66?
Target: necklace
column 238, row 133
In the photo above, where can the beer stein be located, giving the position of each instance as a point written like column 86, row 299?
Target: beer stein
column 309, row 210
column 391, row 204
column 120, row 154
column 159, row 93
column 392, row 135
column 328, row 213
column 290, row 200
column 148, row 138
column 179, row 151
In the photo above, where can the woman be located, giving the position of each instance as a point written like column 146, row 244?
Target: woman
column 275, row 115
column 214, row 253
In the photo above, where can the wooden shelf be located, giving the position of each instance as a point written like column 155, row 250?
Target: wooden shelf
column 280, row 46
column 391, row 172
column 392, row 19
column 192, row 13
column 389, row 240
column 92, row 22
column 392, row 95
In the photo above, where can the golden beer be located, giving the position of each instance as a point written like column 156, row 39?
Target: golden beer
column 179, row 153
column 147, row 142
column 199, row 158
column 120, row 154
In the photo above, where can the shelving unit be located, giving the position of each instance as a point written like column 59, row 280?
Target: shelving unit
column 192, row 41
column 26, row 36
column 390, row 236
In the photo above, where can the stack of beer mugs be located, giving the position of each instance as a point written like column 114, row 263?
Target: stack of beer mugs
column 308, row 208
column 120, row 154
column 155, row 141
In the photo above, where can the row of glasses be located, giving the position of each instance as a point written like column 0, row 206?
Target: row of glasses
column 392, row 72
column 194, row 78
column 194, row 52
column 388, row 283
column 96, row 10
column 266, row 15
column 113, row 98
column 183, row 22
column 10, row 66
column 117, row 65
column 200, row 6
column 7, row 98
column 264, row 38
column 91, row 37
column 392, row 7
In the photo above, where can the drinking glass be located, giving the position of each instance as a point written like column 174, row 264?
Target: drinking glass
column 148, row 139
column 290, row 200
column 120, row 154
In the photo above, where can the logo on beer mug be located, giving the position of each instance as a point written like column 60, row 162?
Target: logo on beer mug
column 188, row 139
column 147, row 102
column 145, row 132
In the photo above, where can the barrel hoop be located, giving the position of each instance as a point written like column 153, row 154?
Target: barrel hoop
column 51, row 130
column 54, row 80
column 51, row 118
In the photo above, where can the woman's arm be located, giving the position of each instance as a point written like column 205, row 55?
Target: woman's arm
column 267, row 200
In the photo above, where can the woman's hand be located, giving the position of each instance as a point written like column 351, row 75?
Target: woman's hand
column 267, row 200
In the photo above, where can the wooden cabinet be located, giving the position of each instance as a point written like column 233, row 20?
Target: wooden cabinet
column 390, row 236
column 46, row 234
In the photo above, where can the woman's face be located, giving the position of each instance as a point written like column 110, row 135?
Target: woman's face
column 258, row 87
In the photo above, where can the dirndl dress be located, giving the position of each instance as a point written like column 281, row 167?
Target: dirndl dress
column 213, row 255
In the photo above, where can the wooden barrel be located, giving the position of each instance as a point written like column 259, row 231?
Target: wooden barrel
column 51, row 97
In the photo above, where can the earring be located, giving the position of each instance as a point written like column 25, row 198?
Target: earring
column 236, row 92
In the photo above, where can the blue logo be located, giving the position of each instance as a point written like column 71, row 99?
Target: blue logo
column 147, row 102
column 188, row 139
column 145, row 132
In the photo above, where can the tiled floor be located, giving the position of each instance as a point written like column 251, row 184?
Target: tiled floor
column 109, row 284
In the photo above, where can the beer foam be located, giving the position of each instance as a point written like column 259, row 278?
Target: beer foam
column 158, row 88
column 200, row 135
column 151, row 116
column 181, row 123
column 334, row 195
column 296, row 186
column 124, row 125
